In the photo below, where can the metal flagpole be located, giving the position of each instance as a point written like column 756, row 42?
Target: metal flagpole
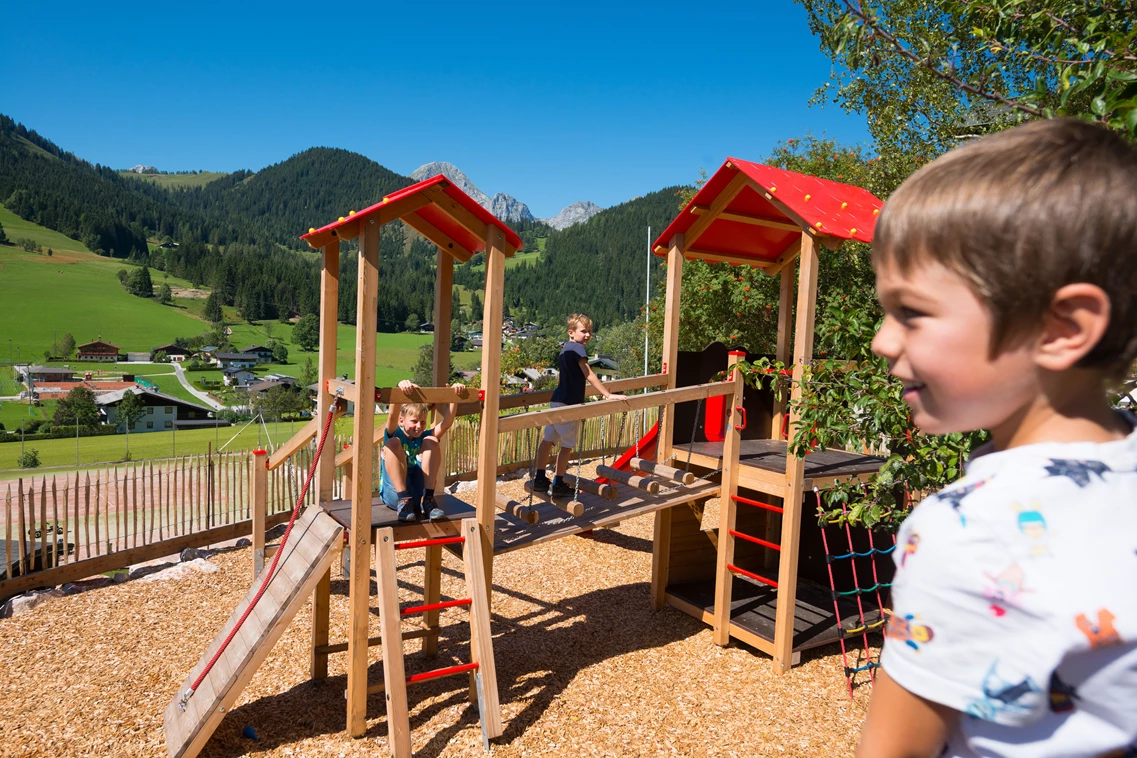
column 647, row 299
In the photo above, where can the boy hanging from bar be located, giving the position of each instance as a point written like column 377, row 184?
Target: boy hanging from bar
column 574, row 372
column 408, row 467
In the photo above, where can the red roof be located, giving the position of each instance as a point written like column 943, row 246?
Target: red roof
column 784, row 200
column 438, row 215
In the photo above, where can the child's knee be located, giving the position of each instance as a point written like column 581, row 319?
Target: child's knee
column 430, row 444
column 393, row 448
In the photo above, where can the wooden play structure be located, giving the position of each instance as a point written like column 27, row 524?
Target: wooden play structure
column 746, row 214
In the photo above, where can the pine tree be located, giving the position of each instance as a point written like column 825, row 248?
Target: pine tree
column 213, row 309
column 3, row 236
column 140, row 283
column 306, row 333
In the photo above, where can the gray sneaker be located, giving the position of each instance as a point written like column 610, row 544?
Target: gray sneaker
column 407, row 511
column 431, row 508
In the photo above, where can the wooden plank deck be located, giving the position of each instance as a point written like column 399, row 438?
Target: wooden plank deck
column 511, row 533
column 763, row 464
column 752, row 610
column 306, row 558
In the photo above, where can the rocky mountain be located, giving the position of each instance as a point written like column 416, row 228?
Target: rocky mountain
column 577, row 213
column 141, row 169
column 509, row 208
column 506, row 207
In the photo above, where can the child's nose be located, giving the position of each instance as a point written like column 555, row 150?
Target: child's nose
column 886, row 343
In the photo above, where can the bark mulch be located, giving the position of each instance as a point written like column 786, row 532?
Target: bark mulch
column 584, row 668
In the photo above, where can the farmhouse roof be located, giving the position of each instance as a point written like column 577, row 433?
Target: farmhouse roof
column 114, row 398
column 49, row 370
column 748, row 212
column 256, row 348
column 235, row 356
column 235, row 371
column 97, row 342
column 435, row 208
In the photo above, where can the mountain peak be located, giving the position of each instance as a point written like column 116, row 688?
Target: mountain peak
column 570, row 215
column 505, row 207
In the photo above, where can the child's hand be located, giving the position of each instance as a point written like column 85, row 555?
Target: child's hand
column 457, row 386
column 406, row 386
column 616, row 397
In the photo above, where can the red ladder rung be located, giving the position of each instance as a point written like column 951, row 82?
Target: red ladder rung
column 411, row 610
column 429, row 543
column 757, row 504
column 439, row 673
column 756, row 540
column 752, row 575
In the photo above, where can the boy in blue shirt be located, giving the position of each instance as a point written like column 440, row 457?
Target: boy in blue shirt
column 1007, row 271
column 574, row 372
column 409, row 463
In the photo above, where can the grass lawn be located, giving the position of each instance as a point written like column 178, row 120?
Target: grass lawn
column 8, row 384
column 168, row 384
column 16, row 228
column 177, row 180
column 516, row 260
column 12, row 413
column 111, row 449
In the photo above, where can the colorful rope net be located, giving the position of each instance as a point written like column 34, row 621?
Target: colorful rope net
column 871, row 600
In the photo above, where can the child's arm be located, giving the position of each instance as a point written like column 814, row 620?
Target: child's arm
column 447, row 414
column 393, row 409
column 903, row 725
column 591, row 377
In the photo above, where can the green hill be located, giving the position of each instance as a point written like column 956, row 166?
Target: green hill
column 176, row 181
column 17, row 228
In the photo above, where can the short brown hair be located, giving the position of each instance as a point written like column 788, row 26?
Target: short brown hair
column 579, row 321
column 1020, row 214
column 422, row 410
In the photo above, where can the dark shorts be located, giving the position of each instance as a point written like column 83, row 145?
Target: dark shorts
column 416, row 485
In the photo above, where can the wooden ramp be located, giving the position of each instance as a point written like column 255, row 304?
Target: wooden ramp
column 307, row 556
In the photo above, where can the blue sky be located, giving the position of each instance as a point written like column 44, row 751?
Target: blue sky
column 551, row 103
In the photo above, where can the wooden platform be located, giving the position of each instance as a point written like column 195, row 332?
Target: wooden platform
column 753, row 605
column 763, row 464
column 306, row 558
column 514, row 534
column 383, row 517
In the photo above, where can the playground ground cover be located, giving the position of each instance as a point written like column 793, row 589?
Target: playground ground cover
column 584, row 668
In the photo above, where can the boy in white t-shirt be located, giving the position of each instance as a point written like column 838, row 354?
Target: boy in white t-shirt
column 1007, row 270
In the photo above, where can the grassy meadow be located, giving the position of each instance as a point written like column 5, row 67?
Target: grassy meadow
column 177, row 180
column 16, row 228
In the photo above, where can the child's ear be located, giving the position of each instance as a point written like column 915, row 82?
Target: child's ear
column 1073, row 325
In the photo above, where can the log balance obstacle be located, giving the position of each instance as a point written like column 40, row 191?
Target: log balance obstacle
column 735, row 218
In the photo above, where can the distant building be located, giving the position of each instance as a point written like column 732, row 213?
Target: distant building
column 238, row 377
column 605, row 367
column 264, row 354
column 162, row 413
column 264, row 385
column 175, row 353
column 235, row 360
column 49, row 374
column 98, row 350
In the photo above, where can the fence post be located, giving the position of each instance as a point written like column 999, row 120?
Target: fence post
column 258, row 488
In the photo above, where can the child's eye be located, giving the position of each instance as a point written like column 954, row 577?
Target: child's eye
column 906, row 314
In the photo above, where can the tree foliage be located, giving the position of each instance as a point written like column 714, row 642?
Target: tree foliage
column 306, row 333
column 130, row 409
column 213, row 313
column 78, row 404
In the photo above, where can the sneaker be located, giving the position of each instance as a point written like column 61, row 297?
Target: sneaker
column 541, row 482
column 431, row 508
column 407, row 511
column 560, row 490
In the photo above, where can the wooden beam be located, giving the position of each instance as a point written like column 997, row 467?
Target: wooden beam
column 744, row 218
column 640, row 482
column 526, row 399
column 605, row 407
column 517, row 509
column 670, row 472
column 363, row 428
column 485, row 497
column 725, row 198
column 326, row 468
column 785, row 259
column 728, row 509
column 387, row 213
column 782, row 354
column 258, row 488
column 437, row 236
column 795, row 467
column 297, row 441
column 467, row 219
column 429, row 395
column 712, row 257
column 391, row 634
column 661, row 528
column 481, row 635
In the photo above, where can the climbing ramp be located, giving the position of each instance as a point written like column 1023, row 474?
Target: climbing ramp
column 306, row 558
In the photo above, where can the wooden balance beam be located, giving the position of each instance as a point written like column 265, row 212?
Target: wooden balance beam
column 517, row 509
column 572, row 507
column 606, row 491
column 644, row 483
column 651, row 467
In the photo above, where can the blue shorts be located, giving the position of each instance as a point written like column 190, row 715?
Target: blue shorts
column 416, row 485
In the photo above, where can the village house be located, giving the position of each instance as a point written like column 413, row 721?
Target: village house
column 162, row 412
column 605, row 367
column 175, row 353
column 235, row 360
column 237, row 377
column 48, row 374
column 266, row 384
column 263, row 354
column 98, row 350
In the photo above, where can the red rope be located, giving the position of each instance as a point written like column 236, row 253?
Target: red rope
column 836, row 608
column 275, row 559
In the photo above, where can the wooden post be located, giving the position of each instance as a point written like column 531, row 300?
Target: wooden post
column 258, row 488
column 481, row 639
column 390, row 631
column 795, row 467
column 326, row 471
column 728, row 509
column 363, row 430
column 491, row 379
column 661, row 538
column 785, row 303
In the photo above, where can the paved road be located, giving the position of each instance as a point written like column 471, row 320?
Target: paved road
column 203, row 397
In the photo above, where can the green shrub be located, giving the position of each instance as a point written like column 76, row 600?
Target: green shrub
column 28, row 459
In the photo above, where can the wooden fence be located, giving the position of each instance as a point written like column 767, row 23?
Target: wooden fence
column 62, row 528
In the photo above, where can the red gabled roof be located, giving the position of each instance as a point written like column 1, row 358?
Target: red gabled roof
column 97, row 342
column 431, row 213
column 779, row 196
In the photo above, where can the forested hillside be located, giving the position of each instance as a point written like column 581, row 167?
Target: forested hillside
column 597, row 267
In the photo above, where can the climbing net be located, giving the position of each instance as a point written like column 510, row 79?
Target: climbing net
column 870, row 619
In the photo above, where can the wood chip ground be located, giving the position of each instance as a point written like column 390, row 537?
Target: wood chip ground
column 584, row 668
